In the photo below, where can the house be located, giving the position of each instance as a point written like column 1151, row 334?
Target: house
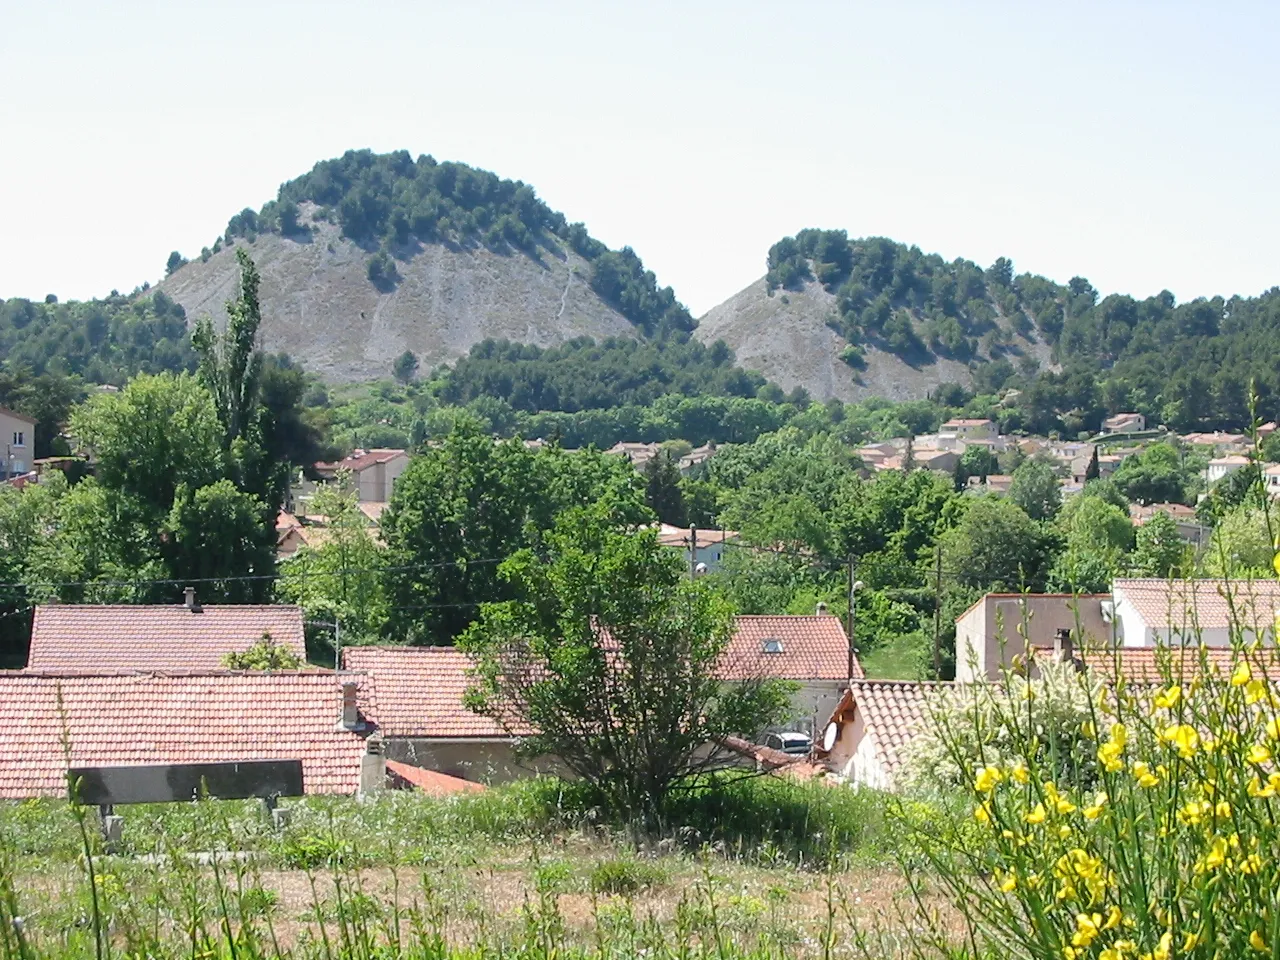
column 1266, row 430
column 1125, row 423
column 423, row 721
column 123, row 638
column 708, row 549
column 967, row 429
column 1271, row 479
column 1222, row 467
column 637, row 454
column 373, row 472
column 1151, row 665
column 995, row 630
column 1148, row 612
column 1107, row 464
column 941, row 461
column 1221, row 443
column 1189, row 528
column 18, row 434
column 997, row 483
column 164, row 718
column 865, row 741
column 695, row 458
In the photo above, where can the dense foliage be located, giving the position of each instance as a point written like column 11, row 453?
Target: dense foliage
column 1185, row 365
column 397, row 202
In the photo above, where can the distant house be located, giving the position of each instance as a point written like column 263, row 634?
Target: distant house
column 637, row 454
column 1125, row 423
column 18, row 434
column 373, row 472
column 156, row 718
column 1221, row 443
column 999, row 627
column 941, row 461
column 1189, row 528
column 1266, row 430
column 1222, row 467
column 124, row 638
column 695, row 458
column 1271, row 478
column 1148, row 612
column 866, row 739
column 423, row 721
column 708, row 550
column 998, row 483
column 970, row 429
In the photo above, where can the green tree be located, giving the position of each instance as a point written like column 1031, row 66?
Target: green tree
column 157, row 433
column 1035, row 489
column 1156, row 475
column 1243, row 543
column 339, row 580
column 215, row 535
column 663, row 493
column 405, row 367
column 1092, row 471
column 613, row 661
column 265, row 654
column 1243, row 486
column 1160, row 551
column 176, row 262
column 1092, row 525
column 996, row 546
column 978, row 461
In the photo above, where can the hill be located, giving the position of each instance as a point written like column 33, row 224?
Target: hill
column 370, row 255
column 860, row 318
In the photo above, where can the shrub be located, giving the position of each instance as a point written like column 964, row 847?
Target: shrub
column 265, row 654
column 621, row 877
column 1167, row 848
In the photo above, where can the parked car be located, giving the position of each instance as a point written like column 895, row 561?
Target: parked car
column 789, row 742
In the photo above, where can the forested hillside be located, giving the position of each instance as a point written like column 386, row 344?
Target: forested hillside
column 1083, row 355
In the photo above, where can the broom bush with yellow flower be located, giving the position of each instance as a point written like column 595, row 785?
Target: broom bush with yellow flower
column 1164, row 846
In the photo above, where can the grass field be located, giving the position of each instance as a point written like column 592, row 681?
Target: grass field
column 763, row 868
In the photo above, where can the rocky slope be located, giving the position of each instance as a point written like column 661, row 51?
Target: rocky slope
column 320, row 307
column 784, row 335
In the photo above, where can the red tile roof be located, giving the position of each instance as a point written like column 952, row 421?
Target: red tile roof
column 420, row 692
column 140, row 719
column 361, row 460
column 132, row 638
column 1150, row 665
column 770, row 760
column 893, row 712
column 811, row 648
column 670, row 536
column 420, row 689
column 1182, row 604
column 432, row 782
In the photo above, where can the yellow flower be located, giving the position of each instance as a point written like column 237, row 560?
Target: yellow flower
column 1088, row 730
column 1257, row 790
column 1189, row 942
column 1251, row 864
column 1118, row 734
column 1165, row 948
column 1109, row 755
column 1256, row 941
column 1019, row 772
column 1255, row 691
column 1184, row 737
column 1242, row 674
column 1142, row 773
column 1087, row 929
column 982, row 813
column 1217, row 854
column 1222, row 810
column 1168, row 699
column 1113, row 918
column 1259, row 753
column 987, row 779
column 1037, row 815
column 1009, row 884
column 1273, row 729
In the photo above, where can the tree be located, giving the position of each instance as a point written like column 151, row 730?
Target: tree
column 996, row 546
column 288, row 218
column 176, row 262
column 1092, row 471
column 611, row 660
column 215, row 535
column 663, row 493
column 1243, row 486
column 1094, row 526
column 1243, row 543
column 1035, row 489
column 977, row 461
column 265, row 654
column 157, row 433
column 1154, row 476
column 405, row 367
column 339, row 580
column 1160, row 551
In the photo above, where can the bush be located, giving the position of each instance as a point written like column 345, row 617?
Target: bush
column 265, row 654
column 622, row 877
column 1163, row 847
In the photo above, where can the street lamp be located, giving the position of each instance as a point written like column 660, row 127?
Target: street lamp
column 854, row 587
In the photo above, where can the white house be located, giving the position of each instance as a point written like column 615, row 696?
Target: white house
column 708, row 550
column 1125, row 423
column 1148, row 612
column 1271, row 477
column 970, row 429
column 18, row 434
column 996, row 629
column 865, row 741
column 1221, row 467
column 373, row 472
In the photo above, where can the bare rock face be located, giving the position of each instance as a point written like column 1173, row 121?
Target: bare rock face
column 319, row 306
column 784, row 335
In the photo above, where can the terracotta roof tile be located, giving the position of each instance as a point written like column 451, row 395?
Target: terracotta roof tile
column 143, row 719
column 1182, row 604
column 1150, row 665
column 129, row 638
column 809, row 648
column 420, row 692
column 362, row 460
column 432, row 782
column 893, row 711
column 420, row 689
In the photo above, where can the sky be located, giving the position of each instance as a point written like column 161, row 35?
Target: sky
column 1134, row 144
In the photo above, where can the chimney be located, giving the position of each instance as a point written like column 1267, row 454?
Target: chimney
column 189, row 599
column 350, row 718
column 821, row 610
column 1064, row 648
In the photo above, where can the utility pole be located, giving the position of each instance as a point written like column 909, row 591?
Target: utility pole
column 937, row 611
column 851, row 616
column 693, row 552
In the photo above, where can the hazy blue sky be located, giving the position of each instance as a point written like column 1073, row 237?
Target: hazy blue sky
column 1132, row 143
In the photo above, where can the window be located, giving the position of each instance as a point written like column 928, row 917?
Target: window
column 19, row 438
column 773, row 645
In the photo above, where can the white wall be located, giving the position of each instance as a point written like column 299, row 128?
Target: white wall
column 853, row 757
